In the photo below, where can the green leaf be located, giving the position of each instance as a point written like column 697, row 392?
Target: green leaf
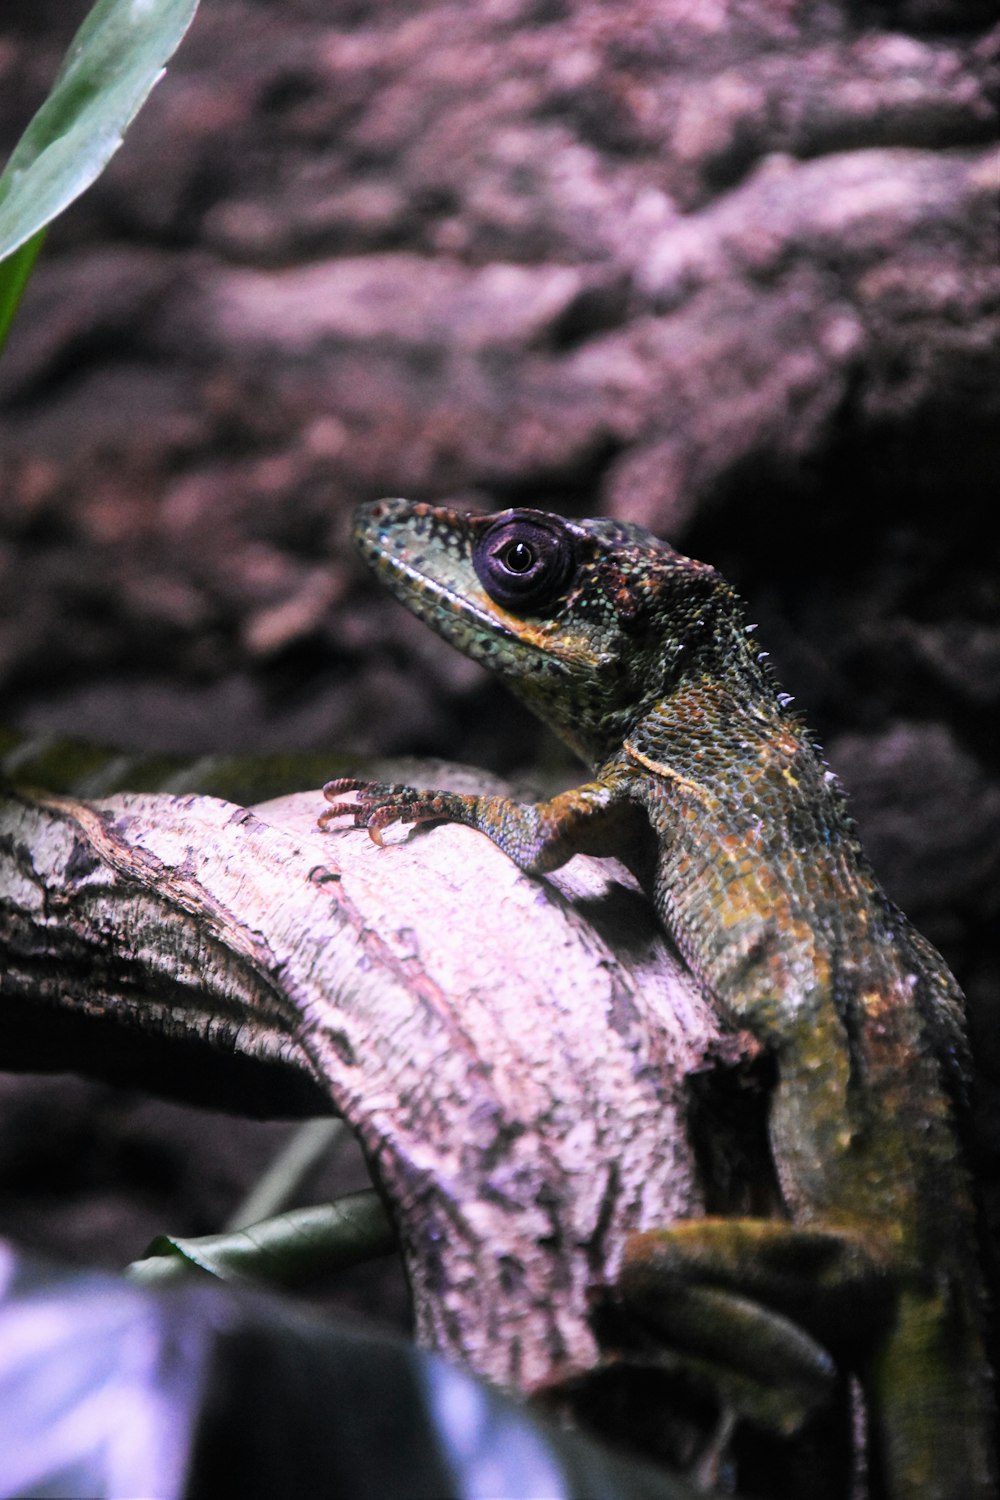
column 116, row 58
column 14, row 273
column 294, row 1247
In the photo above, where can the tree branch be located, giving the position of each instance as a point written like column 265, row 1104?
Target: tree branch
column 511, row 1052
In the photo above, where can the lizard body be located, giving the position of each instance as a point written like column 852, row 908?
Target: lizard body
column 641, row 660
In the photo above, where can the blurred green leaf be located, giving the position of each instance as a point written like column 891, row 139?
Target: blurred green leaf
column 115, row 59
column 14, row 273
column 291, row 1248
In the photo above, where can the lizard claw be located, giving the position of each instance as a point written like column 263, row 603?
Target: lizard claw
column 345, row 784
column 378, row 804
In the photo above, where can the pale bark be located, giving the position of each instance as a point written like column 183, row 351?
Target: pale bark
column 511, row 1052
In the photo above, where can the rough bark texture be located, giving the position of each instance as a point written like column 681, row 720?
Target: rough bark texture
column 726, row 268
column 511, row 1053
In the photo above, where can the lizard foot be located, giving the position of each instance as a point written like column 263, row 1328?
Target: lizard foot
column 379, row 803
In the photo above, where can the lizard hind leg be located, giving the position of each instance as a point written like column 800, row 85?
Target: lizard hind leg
column 753, row 1308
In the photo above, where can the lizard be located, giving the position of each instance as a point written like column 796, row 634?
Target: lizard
column 642, row 661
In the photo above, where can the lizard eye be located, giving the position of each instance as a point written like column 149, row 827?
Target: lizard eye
column 523, row 561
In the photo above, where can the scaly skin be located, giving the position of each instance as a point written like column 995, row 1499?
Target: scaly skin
column 640, row 659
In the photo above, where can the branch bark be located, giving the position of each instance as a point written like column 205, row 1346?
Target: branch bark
column 511, row 1052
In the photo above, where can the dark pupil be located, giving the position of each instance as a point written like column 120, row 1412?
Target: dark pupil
column 518, row 557
column 524, row 561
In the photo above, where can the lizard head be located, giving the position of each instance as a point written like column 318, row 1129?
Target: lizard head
column 589, row 622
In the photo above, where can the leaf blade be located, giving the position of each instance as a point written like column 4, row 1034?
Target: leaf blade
column 14, row 274
column 113, row 63
column 281, row 1251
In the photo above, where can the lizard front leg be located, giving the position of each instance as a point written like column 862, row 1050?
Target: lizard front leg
column 538, row 836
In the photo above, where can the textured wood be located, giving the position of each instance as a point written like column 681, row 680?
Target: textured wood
column 511, row 1052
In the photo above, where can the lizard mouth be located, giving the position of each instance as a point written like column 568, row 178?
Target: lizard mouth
column 465, row 614
column 428, row 595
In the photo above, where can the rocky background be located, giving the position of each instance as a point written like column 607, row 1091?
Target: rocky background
column 727, row 268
